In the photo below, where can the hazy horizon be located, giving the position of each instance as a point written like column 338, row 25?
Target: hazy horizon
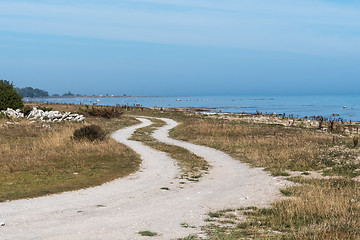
column 177, row 48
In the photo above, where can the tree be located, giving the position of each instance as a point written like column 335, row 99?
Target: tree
column 9, row 97
column 68, row 94
column 31, row 92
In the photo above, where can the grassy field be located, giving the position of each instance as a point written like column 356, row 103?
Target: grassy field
column 41, row 158
column 324, row 208
column 315, row 209
column 276, row 148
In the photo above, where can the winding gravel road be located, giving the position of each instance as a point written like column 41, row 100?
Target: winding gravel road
column 121, row 208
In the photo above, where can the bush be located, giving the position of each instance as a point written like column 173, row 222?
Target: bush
column 91, row 133
column 9, row 97
column 105, row 113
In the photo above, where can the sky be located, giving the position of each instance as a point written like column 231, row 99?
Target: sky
column 182, row 47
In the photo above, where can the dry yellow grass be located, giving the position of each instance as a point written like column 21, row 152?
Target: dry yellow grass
column 274, row 147
column 316, row 209
column 323, row 209
column 38, row 158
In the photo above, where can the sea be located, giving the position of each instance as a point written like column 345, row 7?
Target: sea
column 335, row 107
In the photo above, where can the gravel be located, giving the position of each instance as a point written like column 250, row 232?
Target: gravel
column 122, row 208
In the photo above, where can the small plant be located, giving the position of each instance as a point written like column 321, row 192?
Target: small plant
column 91, row 133
column 105, row 113
column 355, row 141
column 215, row 214
column 148, row 233
column 286, row 192
column 186, row 225
column 3, row 115
column 321, row 121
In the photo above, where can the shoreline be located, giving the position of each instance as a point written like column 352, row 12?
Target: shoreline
column 210, row 105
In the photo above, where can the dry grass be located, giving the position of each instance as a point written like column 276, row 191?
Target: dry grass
column 192, row 166
column 38, row 159
column 276, row 148
column 319, row 209
column 316, row 209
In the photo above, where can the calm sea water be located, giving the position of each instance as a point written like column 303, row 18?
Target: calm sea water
column 299, row 106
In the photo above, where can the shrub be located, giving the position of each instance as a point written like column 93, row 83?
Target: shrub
column 105, row 113
column 3, row 115
column 9, row 97
column 355, row 141
column 91, row 133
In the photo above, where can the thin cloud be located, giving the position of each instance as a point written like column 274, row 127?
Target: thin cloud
column 316, row 27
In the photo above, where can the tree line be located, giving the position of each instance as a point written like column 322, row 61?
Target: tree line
column 32, row 92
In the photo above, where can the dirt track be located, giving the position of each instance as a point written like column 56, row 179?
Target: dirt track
column 122, row 208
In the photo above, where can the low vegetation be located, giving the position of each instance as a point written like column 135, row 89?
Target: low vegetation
column 108, row 112
column 318, row 209
column 39, row 159
column 315, row 208
column 273, row 147
column 324, row 208
column 148, row 234
column 91, row 133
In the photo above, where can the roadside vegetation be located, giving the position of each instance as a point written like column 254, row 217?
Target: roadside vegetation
column 274, row 147
column 43, row 158
column 324, row 208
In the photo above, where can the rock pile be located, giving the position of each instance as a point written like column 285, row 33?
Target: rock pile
column 13, row 113
column 54, row 116
column 46, row 116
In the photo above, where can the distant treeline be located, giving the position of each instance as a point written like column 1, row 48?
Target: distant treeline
column 31, row 92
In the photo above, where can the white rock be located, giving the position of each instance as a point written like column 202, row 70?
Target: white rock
column 45, row 116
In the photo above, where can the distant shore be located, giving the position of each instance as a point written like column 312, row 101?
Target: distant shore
column 93, row 96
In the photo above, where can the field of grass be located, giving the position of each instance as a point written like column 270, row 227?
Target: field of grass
column 41, row 158
column 273, row 147
column 315, row 209
column 318, row 209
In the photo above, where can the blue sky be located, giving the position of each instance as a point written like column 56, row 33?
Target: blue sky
column 182, row 47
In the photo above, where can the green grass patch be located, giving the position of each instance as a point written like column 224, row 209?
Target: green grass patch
column 148, row 233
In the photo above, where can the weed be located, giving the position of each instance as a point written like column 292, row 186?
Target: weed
column 216, row 214
column 285, row 192
column 113, row 112
column 356, row 141
column 148, row 233
column 186, row 225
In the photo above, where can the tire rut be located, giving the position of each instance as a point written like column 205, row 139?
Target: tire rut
column 121, row 208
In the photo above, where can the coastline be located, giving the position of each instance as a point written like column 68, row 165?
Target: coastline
column 344, row 107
